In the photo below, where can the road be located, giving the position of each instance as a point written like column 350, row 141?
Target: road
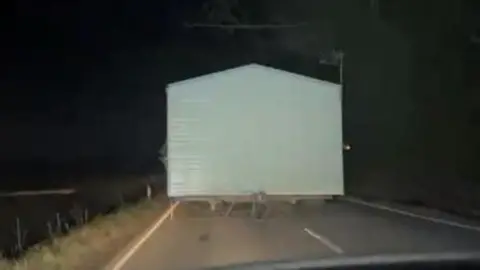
column 197, row 238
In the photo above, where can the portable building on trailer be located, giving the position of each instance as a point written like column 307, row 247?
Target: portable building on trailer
column 253, row 129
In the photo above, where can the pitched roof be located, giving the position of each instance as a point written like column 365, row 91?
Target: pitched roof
column 251, row 66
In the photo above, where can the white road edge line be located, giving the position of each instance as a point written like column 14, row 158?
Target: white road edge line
column 409, row 214
column 335, row 248
column 120, row 261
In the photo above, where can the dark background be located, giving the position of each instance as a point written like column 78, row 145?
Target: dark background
column 83, row 86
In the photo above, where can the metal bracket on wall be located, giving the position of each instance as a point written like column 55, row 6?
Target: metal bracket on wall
column 172, row 202
column 229, row 210
column 256, row 210
column 259, row 199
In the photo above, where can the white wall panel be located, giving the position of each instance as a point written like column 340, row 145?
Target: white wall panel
column 254, row 129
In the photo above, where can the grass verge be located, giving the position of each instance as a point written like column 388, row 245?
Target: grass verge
column 92, row 245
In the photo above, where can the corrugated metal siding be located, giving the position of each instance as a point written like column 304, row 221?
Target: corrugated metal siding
column 254, row 129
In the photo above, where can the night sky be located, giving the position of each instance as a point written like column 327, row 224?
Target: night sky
column 80, row 88
column 83, row 82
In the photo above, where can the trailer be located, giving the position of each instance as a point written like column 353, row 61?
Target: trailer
column 253, row 133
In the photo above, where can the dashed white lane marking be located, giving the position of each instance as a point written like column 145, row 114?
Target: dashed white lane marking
column 118, row 263
column 335, row 248
column 409, row 214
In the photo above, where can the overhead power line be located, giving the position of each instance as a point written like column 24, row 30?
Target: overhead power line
column 244, row 26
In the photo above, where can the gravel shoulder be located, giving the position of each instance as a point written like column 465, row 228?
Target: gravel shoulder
column 92, row 246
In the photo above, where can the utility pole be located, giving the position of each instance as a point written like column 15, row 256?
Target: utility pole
column 336, row 59
column 340, row 56
column 375, row 7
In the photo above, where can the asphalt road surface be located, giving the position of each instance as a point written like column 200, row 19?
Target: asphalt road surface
column 198, row 238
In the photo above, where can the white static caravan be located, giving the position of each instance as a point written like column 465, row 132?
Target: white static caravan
column 253, row 130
